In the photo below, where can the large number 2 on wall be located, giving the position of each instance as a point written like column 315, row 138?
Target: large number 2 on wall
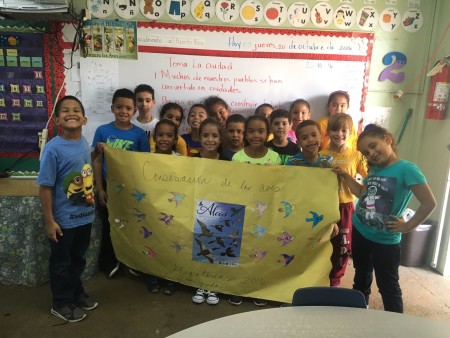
column 395, row 60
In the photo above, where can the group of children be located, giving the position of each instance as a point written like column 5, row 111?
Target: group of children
column 269, row 137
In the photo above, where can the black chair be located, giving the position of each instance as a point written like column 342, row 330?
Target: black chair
column 328, row 296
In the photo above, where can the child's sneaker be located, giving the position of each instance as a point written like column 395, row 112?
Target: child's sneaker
column 112, row 272
column 212, row 298
column 260, row 302
column 199, row 296
column 152, row 284
column 134, row 272
column 85, row 302
column 170, row 288
column 235, row 300
column 70, row 313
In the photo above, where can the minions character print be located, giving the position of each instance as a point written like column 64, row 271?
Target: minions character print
column 217, row 235
column 79, row 186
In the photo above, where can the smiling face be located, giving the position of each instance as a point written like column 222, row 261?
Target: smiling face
column 339, row 138
column 70, row 115
column 196, row 116
column 210, row 137
column 123, row 109
column 165, row 139
column 309, row 140
column 144, row 102
column 299, row 112
column 377, row 150
column 280, row 127
column 339, row 104
column 174, row 115
column 220, row 112
column 256, row 133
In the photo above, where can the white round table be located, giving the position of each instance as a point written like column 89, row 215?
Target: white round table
column 319, row 321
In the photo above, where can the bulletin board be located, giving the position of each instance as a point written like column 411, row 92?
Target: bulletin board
column 31, row 72
column 244, row 66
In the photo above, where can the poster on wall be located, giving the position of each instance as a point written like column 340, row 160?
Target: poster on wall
column 110, row 39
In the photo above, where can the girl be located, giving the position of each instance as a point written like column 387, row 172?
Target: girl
column 339, row 130
column 338, row 102
column 165, row 138
column 255, row 152
column 218, row 108
column 196, row 115
column 174, row 112
column 378, row 225
column 300, row 111
column 210, row 138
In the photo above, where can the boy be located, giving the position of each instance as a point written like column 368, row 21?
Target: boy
column 308, row 142
column 145, row 101
column 234, row 127
column 339, row 131
column 280, row 124
column 120, row 133
column 309, row 139
column 66, row 194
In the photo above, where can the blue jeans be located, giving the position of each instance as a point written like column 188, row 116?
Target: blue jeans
column 385, row 260
column 66, row 264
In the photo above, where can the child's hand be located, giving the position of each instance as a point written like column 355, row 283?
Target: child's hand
column 397, row 224
column 335, row 231
column 100, row 146
column 53, row 230
column 338, row 171
column 102, row 197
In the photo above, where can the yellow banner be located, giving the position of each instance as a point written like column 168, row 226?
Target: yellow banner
column 236, row 228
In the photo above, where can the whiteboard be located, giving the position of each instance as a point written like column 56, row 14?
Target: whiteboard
column 244, row 66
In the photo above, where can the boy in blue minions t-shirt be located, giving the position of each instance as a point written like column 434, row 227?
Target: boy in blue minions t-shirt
column 67, row 198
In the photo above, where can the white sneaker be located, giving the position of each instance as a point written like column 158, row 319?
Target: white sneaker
column 199, row 296
column 211, row 298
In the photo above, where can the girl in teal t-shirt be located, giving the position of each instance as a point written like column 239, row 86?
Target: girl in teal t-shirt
column 377, row 221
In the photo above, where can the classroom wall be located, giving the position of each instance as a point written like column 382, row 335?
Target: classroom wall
column 434, row 135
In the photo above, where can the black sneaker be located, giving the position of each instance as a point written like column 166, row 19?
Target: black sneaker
column 85, row 302
column 70, row 313
column 260, row 302
column 152, row 284
column 235, row 300
column 170, row 288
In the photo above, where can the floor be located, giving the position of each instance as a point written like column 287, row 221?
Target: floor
column 127, row 310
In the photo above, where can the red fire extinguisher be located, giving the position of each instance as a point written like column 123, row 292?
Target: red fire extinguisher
column 439, row 91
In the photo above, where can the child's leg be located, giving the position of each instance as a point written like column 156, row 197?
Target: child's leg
column 386, row 260
column 107, row 257
column 80, row 244
column 362, row 261
column 341, row 244
column 61, row 281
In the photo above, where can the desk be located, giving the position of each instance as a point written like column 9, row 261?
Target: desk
column 24, row 249
column 319, row 321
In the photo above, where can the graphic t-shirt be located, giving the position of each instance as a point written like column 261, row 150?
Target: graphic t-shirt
column 388, row 191
column 133, row 139
column 66, row 167
column 299, row 160
column 149, row 128
column 193, row 147
column 285, row 152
